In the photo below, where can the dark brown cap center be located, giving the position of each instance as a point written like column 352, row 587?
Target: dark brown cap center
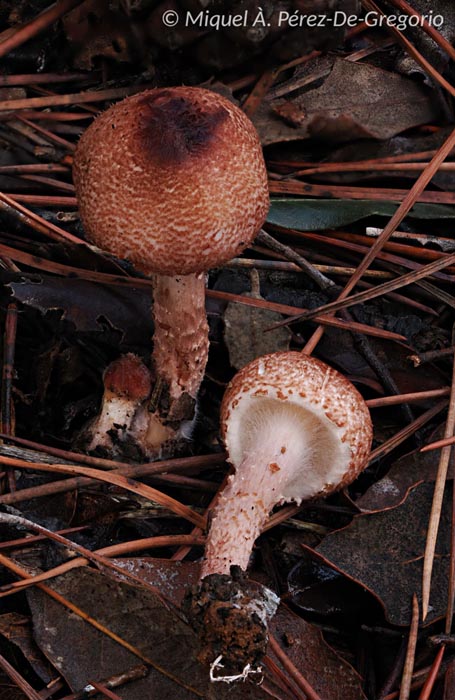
column 173, row 129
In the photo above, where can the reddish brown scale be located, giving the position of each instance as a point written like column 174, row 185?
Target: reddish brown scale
column 173, row 198
column 129, row 377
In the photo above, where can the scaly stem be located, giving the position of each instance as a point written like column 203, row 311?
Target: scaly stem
column 180, row 342
column 258, row 484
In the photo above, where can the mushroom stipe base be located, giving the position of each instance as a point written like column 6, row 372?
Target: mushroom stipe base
column 230, row 615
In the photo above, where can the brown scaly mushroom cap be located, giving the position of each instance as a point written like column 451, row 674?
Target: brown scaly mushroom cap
column 295, row 429
column 172, row 179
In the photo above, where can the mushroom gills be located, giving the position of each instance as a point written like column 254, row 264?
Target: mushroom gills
column 288, row 452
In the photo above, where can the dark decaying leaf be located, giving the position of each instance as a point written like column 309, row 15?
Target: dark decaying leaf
column 301, row 641
column 171, row 578
column 356, row 100
column 405, row 473
column 138, row 616
column 334, row 112
column 384, row 553
column 89, row 306
column 248, row 334
column 321, row 214
column 82, row 653
column 329, row 675
column 315, row 589
column 17, row 629
column 449, row 681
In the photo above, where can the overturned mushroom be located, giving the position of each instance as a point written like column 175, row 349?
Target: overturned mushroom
column 295, row 429
column 173, row 180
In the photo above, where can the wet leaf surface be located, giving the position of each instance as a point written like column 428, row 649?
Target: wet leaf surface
column 390, row 104
column 247, row 333
column 320, row 214
column 136, row 615
column 305, row 646
column 18, row 630
column 384, row 553
column 405, row 473
column 91, row 307
column 142, row 619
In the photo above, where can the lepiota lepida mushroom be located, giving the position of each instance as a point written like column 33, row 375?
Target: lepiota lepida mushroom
column 295, row 429
column 173, row 180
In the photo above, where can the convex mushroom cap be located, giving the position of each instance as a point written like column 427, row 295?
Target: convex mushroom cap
column 172, row 179
column 327, row 422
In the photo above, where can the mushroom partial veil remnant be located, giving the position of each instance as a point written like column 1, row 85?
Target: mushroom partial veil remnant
column 173, row 180
column 295, row 429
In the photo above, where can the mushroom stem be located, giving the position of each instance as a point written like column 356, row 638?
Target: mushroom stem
column 258, row 484
column 180, row 340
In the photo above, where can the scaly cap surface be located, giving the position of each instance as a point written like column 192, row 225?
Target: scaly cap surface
column 172, row 179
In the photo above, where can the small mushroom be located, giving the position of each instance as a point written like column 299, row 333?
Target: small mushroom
column 127, row 385
column 294, row 429
column 174, row 181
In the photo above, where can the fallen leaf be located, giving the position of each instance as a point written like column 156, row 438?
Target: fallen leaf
column 138, row 616
column 377, row 104
column 247, row 330
column 329, row 675
column 393, row 488
column 89, row 306
column 320, row 214
column 384, row 553
column 17, row 629
column 449, row 681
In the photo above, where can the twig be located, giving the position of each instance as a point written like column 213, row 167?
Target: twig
column 379, row 290
column 63, row 143
column 431, row 356
column 47, row 78
column 105, row 692
column 295, row 674
column 308, row 189
column 313, row 273
column 18, row 680
column 436, row 508
column 390, row 259
column 9, row 349
column 35, row 221
column 30, row 29
column 45, row 201
column 95, row 558
column 116, row 550
column 12, row 566
column 292, row 267
column 71, row 99
column 113, row 478
column 445, row 442
column 404, row 208
column 284, row 309
column 406, row 432
column 406, row 680
column 413, row 397
column 432, row 676
column 127, row 470
column 132, row 674
column 282, row 680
